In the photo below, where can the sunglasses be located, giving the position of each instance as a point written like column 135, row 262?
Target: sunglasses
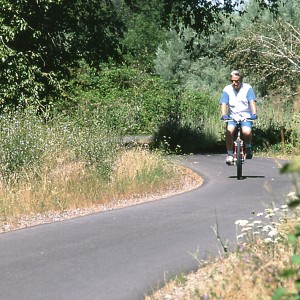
column 237, row 81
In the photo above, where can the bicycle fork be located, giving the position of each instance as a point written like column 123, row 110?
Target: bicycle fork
column 235, row 151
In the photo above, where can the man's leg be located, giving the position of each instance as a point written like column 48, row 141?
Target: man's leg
column 247, row 134
column 229, row 143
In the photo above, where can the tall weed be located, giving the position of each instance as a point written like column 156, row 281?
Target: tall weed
column 278, row 124
column 66, row 164
column 50, row 165
column 192, row 125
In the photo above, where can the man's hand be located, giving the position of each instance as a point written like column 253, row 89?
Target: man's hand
column 225, row 117
column 253, row 116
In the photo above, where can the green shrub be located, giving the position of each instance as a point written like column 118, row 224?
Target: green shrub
column 192, row 125
column 27, row 138
column 278, row 126
column 126, row 99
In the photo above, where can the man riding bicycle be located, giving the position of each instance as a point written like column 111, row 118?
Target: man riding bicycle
column 238, row 102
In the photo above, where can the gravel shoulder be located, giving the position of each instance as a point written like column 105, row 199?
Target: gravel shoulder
column 190, row 181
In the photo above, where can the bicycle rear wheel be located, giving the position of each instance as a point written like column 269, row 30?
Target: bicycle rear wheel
column 239, row 165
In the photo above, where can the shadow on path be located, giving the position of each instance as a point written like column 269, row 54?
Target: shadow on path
column 248, row 177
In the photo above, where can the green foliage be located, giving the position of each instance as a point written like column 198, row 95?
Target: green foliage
column 41, row 41
column 133, row 102
column 127, row 99
column 27, row 139
column 204, row 16
column 271, row 52
column 187, row 60
column 145, row 32
column 173, row 60
column 192, row 125
column 293, row 167
column 290, row 12
column 281, row 293
column 278, row 123
column 22, row 144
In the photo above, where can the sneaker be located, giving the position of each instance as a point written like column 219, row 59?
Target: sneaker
column 229, row 160
column 249, row 154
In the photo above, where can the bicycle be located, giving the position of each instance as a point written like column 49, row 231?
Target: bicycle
column 239, row 148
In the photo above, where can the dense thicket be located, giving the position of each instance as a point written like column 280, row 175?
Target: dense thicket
column 43, row 41
column 136, row 63
column 264, row 47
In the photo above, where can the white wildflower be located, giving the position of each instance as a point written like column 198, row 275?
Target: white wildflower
column 273, row 232
column 240, row 236
column 259, row 214
column 241, row 222
column 292, row 196
column 257, row 222
column 270, row 215
column 267, row 228
column 276, row 224
column 246, row 229
column 268, row 240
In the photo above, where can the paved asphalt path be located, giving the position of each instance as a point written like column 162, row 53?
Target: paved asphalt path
column 126, row 253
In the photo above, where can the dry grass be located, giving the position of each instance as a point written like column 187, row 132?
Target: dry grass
column 140, row 172
column 252, row 272
column 64, row 183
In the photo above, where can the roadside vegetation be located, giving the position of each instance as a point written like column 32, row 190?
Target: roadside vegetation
column 55, row 167
column 76, row 80
column 264, row 265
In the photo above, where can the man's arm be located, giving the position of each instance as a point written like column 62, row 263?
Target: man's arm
column 224, row 103
column 253, row 106
column 223, row 109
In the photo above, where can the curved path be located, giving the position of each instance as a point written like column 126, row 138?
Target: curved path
column 126, row 253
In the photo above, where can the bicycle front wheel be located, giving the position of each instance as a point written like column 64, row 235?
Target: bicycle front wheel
column 239, row 165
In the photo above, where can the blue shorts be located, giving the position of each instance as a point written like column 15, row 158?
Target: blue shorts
column 244, row 123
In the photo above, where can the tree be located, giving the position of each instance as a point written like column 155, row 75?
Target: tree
column 203, row 15
column 272, row 53
column 144, row 33
column 196, row 68
column 41, row 41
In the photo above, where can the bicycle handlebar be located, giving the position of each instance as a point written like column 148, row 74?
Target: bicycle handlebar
column 238, row 121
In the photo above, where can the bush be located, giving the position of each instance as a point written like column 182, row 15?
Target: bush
column 192, row 125
column 27, row 138
column 278, row 124
column 126, row 99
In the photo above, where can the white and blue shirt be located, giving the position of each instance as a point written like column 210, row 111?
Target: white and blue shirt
column 238, row 101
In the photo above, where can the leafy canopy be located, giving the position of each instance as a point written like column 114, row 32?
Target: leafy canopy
column 42, row 42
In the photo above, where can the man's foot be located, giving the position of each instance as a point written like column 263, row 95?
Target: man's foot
column 229, row 160
column 249, row 154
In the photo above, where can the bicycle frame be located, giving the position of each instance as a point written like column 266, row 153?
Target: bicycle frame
column 239, row 148
column 239, row 143
column 239, row 152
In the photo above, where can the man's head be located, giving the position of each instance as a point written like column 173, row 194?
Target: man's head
column 236, row 79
